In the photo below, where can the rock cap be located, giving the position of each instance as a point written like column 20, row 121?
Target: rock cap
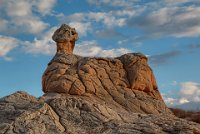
column 65, row 34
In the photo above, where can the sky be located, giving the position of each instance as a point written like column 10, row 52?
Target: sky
column 167, row 31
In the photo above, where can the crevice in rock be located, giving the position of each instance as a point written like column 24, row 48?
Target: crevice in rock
column 62, row 128
column 101, row 83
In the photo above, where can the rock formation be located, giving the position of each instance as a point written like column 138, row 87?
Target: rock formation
column 121, row 80
column 65, row 38
column 54, row 113
column 92, row 95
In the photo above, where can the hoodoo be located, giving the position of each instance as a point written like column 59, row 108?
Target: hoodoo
column 119, row 79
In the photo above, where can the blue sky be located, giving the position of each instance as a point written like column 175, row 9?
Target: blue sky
column 167, row 31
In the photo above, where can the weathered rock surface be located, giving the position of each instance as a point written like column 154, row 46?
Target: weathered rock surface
column 52, row 113
column 126, row 81
column 65, row 38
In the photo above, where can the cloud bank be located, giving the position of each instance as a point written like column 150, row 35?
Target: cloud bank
column 189, row 92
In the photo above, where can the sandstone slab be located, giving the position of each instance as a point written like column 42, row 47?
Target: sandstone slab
column 70, row 114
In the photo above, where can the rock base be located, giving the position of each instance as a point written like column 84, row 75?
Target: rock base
column 59, row 113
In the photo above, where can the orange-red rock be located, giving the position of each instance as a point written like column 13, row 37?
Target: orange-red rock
column 127, row 80
column 65, row 38
column 127, row 71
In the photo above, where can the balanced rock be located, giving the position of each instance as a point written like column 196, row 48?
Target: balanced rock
column 126, row 81
column 65, row 38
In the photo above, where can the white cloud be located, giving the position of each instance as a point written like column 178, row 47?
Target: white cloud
column 114, row 52
column 45, row 45
column 183, row 100
column 177, row 2
column 121, row 42
column 189, row 88
column 87, row 48
column 98, row 16
column 110, row 19
column 114, row 3
column 189, row 92
column 90, row 48
column 30, row 24
column 170, row 21
column 122, row 3
column 77, row 17
column 22, row 16
column 156, row 19
column 7, row 44
column 170, row 101
column 83, row 21
column 81, row 28
column 127, row 12
column 44, row 6
column 17, row 9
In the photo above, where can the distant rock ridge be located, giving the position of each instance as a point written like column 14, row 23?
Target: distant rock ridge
column 87, row 95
